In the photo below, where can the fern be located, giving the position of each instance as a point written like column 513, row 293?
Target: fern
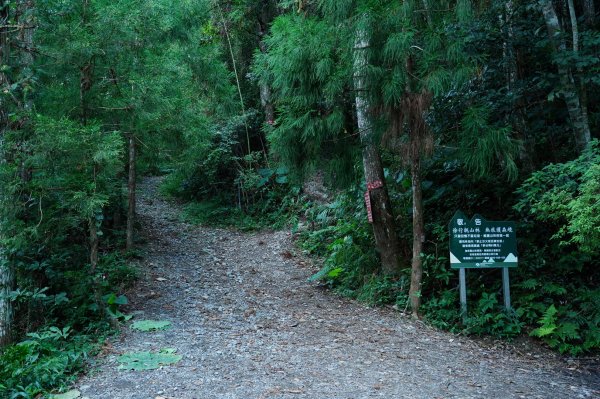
column 547, row 322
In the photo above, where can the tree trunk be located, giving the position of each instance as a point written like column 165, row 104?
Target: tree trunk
column 6, row 286
column 582, row 89
column 237, row 77
column 6, row 272
column 574, row 27
column 384, row 229
column 265, row 89
column 26, row 19
column 265, row 17
column 517, row 117
column 131, row 187
column 85, row 72
column 589, row 13
column 94, row 245
column 4, row 60
column 577, row 114
column 94, row 249
column 427, row 13
column 418, row 231
column 265, row 98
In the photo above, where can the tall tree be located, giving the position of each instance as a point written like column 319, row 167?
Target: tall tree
column 384, row 228
column 265, row 14
column 6, row 272
column 577, row 111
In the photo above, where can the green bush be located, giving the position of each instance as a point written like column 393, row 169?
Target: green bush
column 48, row 360
column 566, row 197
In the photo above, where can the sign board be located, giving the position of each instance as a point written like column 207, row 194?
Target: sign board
column 479, row 243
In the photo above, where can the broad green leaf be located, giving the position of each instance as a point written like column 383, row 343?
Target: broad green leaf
column 139, row 361
column 151, row 325
column 72, row 394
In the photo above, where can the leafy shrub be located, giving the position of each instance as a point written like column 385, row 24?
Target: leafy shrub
column 47, row 360
column 559, row 293
column 566, row 195
column 217, row 213
column 265, row 200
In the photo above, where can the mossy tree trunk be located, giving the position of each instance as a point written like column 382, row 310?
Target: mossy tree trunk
column 384, row 229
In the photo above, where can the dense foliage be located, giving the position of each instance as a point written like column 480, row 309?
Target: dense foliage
column 80, row 80
column 489, row 107
column 502, row 141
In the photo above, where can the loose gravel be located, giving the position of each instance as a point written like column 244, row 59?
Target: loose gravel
column 249, row 325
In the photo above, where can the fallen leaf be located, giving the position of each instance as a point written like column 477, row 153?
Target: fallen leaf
column 73, row 394
column 151, row 325
column 148, row 360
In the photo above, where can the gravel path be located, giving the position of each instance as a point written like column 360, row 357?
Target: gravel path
column 249, row 325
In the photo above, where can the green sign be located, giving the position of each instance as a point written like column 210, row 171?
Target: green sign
column 479, row 243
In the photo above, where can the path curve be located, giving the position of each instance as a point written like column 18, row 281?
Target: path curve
column 249, row 325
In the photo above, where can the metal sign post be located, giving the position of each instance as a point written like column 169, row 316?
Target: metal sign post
column 477, row 243
column 506, row 288
column 462, row 282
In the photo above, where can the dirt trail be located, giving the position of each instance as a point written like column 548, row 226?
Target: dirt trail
column 249, row 325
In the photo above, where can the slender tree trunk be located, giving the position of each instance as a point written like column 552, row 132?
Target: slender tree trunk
column 384, row 228
column 85, row 72
column 582, row 89
column 25, row 38
column 516, row 119
column 85, row 84
column 265, row 17
column 26, row 9
column 131, row 187
column 237, row 77
column 94, row 249
column 427, row 13
column 94, row 245
column 265, row 89
column 266, row 97
column 6, row 271
column 6, row 311
column 589, row 12
column 574, row 27
column 414, row 106
column 418, row 232
column 4, row 60
column 577, row 114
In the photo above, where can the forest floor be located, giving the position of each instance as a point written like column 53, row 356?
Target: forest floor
column 249, row 325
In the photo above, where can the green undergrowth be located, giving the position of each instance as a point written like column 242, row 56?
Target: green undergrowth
column 264, row 199
column 219, row 213
column 216, row 213
column 48, row 360
column 554, row 295
column 53, row 349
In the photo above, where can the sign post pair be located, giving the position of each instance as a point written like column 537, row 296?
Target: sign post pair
column 478, row 243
